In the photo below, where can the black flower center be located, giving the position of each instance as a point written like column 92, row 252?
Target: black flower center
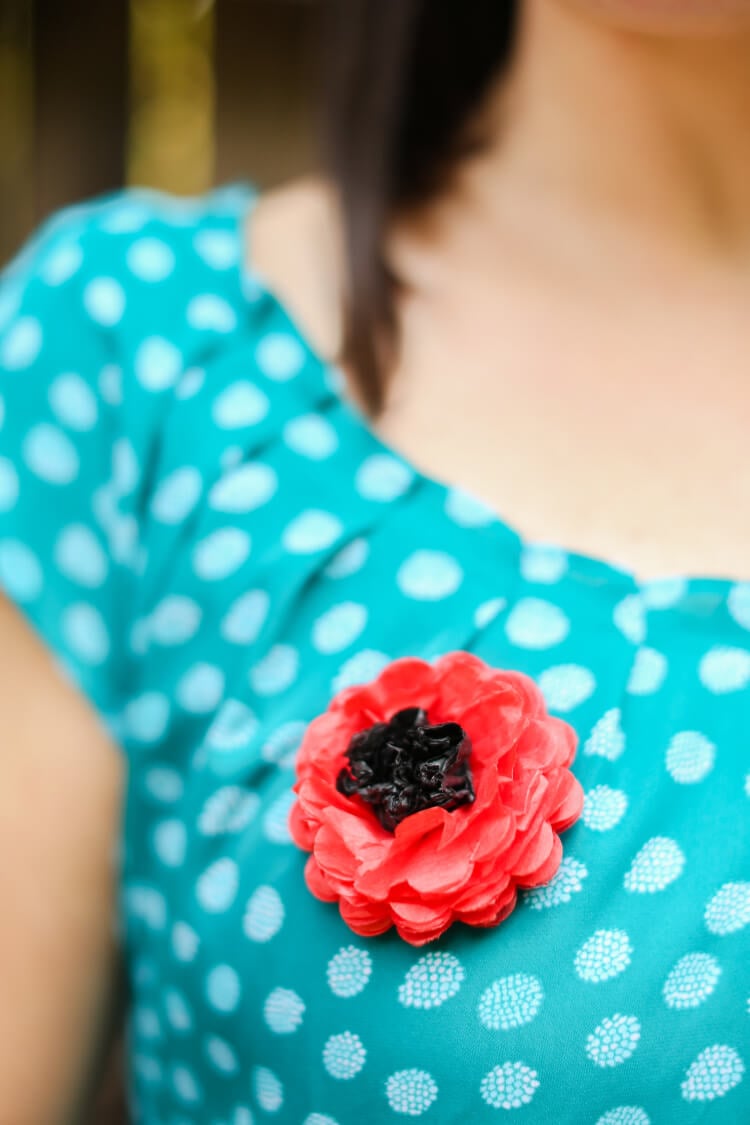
column 406, row 765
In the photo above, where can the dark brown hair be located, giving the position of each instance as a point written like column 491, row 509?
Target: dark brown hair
column 402, row 80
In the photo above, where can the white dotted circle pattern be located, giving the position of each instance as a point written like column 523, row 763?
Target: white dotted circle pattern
column 189, row 510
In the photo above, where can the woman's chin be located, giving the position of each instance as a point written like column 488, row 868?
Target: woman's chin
column 672, row 17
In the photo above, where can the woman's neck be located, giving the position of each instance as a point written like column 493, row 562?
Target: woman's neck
column 636, row 133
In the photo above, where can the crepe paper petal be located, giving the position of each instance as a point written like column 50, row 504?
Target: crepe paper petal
column 432, row 794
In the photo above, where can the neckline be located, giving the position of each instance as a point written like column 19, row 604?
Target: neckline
column 656, row 592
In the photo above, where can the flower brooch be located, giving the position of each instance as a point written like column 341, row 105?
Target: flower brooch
column 430, row 794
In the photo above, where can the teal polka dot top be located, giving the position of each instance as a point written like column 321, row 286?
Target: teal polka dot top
column 213, row 541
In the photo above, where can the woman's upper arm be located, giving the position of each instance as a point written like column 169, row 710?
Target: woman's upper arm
column 60, row 789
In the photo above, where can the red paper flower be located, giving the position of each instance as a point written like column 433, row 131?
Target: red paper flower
column 430, row 794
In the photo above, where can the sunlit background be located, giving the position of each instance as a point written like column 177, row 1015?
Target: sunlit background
column 174, row 94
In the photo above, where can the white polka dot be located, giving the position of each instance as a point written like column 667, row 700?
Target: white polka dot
column 312, row 530
column 344, row 1055
column 661, row 593
column 178, row 1012
column 20, row 572
column 50, row 454
column 86, row 633
column 738, row 603
column 150, row 259
column 126, row 217
column 648, row 672
column 147, row 1068
column 185, row 942
column 240, row 404
column 110, row 384
column 104, row 300
column 468, row 510
column 217, row 886
column 200, row 689
column 243, row 1116
column 189, row 383
column 22, row 344
column 283, row 1011
column 659, row 862
column 147, row 905
column 282, row 744
column 8, row 485
column 245, row 617
column 276, row 671
column 566, row 686
column 73, row 402
column 244, row 489
column 604, row 808
column 485, row 613
column 176, row 495
column 186, row 1085
column 630, row 618
column 543, row 563
column 433, row 979
column 382, row 477
column 276, row 820
column 170, row 842
column 311, row 435
column 536, row 624
column 147, row 715
column 348, row 560
column 79, row 556
column 429, row 575
column 564, row 884
column 690, row 757
column 319, row 1119
column 221, row 1054
column 158, row 363
column 264, row 914
column 723, row 669
column 174, row 620
column 221, row 553
column 691, row 981
column 269, row 1091
column 229, row 809
column 510, row 1002
column 603, row 956
column 614, row 1040
column 223, row 988
column 62, row 263
column 147, row 1023
column 607, row 738
column 411, row 1091
column 625, row 1115
column 509, row 1086
column 339, row 627
column 218, row 248
column 210, row 313
column 348, row 971
column 360, row 668
column 716, row 1071
column 164, row 784
column 233, row 727
column 279, row 356
column 729, row 909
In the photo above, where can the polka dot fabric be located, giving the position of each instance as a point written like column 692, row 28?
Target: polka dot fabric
column 212, row 541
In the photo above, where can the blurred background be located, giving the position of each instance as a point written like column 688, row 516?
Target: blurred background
column 173, row 94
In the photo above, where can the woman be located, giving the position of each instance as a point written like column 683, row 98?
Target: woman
column 253, row 454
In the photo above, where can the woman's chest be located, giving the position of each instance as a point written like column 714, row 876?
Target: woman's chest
column 616, row 435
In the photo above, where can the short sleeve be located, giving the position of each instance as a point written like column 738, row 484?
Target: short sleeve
column 68, row 539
